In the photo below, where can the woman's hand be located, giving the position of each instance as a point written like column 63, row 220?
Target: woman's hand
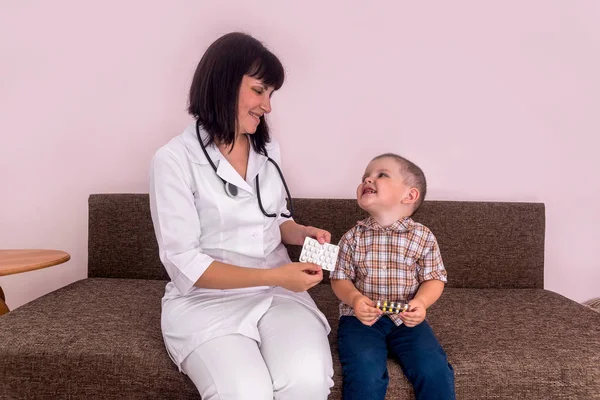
column 297, row 276
column 364, row 310
column 293, row 233
column 321, row 235
column 416, row 315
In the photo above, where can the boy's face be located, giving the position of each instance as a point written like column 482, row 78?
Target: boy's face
column 382, row 188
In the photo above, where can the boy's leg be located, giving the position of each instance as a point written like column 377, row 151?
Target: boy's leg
column 423, row 360
column 363, row 355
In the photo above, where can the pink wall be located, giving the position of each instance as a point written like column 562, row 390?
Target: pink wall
column 495, row 102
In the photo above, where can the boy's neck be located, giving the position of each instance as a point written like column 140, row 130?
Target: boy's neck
column 386, row 219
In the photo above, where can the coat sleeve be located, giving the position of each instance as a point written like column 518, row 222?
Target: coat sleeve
column 176, row 221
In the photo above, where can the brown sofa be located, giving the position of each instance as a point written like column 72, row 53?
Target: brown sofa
column 507, row 337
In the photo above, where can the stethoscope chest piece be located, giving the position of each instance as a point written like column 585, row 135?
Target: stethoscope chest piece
column 231, row 190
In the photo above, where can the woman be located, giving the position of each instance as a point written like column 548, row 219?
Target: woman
column 236, row 317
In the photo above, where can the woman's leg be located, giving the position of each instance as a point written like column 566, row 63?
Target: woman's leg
column 424, row 361
column 363, row 354
column 296, row 350
column 229, row 368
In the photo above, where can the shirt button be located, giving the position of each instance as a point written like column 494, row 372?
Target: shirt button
column 384, row 267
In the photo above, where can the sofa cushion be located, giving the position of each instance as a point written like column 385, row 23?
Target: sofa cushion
column 93, row 336
column 504, row 344
column 103, row 335
column 519, row 343
column 483, row 244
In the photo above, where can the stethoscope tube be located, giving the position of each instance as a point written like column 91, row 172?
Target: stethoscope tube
column 232, row 190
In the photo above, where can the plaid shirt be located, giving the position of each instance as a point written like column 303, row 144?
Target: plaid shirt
column 388, row 263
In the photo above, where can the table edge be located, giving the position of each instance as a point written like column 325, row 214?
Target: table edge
column 42, row 265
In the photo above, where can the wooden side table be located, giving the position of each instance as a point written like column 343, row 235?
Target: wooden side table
column 17, row 261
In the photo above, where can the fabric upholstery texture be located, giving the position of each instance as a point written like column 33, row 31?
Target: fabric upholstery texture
column 506, row 337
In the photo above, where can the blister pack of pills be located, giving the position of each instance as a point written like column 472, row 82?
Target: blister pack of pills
column 390, row 307
column 324, row 254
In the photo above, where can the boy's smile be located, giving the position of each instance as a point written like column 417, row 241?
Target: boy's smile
column 368, row 189
column 383, row 191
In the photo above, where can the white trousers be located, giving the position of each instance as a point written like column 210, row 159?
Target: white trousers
column 292, row 362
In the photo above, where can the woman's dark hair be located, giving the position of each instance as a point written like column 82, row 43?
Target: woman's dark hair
column 215, row 88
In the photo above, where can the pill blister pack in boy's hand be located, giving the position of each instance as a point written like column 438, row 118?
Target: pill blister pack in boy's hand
column 390, row 307
column 324, row 254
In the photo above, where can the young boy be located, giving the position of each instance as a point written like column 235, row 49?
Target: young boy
column 390, row 257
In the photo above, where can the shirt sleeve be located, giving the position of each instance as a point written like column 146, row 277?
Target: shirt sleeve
column 430, row 264
column 344, row 267
column 176, row 221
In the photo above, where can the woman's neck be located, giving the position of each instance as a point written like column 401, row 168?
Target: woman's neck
column 241, row 143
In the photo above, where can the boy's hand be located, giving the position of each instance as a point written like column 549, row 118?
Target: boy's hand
column 320, row 234
column 364, row 310
column 416, row 315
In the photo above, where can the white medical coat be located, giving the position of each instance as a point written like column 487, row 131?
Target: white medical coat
column 196, row 223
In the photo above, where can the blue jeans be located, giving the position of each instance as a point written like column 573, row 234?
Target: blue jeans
column 364, row 352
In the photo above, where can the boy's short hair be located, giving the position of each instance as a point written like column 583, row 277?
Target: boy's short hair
column 413, row 175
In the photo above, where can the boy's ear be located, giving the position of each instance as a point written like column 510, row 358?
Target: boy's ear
column 412, row 196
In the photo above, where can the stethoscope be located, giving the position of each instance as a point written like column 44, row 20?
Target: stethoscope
column 232, row 190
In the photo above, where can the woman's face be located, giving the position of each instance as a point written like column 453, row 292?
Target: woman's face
column 254, row 100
